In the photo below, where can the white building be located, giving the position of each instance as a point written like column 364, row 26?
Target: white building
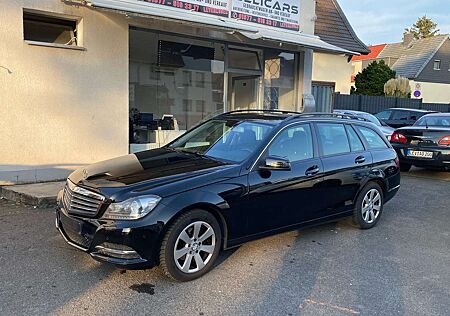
column 83, row 81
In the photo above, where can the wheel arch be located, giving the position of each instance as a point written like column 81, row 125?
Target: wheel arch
column 208, row 207
column 374, row 178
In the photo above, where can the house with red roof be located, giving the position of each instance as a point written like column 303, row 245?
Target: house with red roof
column 425, row 62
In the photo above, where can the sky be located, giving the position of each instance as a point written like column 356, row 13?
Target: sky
column 384, row 21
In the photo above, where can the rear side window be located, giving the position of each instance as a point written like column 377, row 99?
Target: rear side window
column 355, row 143
column 400, row 115
column 416, row 115
column 385, row 115
column 374, row 141
column 333, row 139
column 294, row 143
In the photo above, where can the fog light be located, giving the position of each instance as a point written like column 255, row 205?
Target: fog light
column 117, row 251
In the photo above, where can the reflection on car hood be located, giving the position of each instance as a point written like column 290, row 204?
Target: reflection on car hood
column 159, row 166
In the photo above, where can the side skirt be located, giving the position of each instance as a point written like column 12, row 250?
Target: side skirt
column 316, row 222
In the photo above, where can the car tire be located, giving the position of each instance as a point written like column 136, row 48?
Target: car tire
column 190, row 246
column 369, row 206
column 405, row 167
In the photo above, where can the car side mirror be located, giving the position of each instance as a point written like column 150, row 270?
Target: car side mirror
column 276, row 163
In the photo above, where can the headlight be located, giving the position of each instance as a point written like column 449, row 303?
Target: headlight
column 133, row 208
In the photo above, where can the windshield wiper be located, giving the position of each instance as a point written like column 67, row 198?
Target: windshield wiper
column 192, row 152
column 197, row 154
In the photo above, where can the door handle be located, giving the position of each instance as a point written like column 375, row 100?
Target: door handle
column 312, row 171
column 360, row 159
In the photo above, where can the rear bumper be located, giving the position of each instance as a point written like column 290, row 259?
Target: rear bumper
column 133, row 247
column 441, row 157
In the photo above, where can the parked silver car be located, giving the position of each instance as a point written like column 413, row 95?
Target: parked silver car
column 386, row 129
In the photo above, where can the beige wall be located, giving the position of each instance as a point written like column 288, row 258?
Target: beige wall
column 432, row 92
column 333, row 68
column 61, row 108
column 57, row 105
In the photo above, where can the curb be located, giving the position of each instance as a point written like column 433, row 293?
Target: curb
column 41, row 202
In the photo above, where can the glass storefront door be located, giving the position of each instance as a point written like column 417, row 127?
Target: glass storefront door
column 244, row 91
column 244, row 70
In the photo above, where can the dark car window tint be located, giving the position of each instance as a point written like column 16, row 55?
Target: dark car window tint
column 294, row 144
column 355, row 143
column 416, row 115
column 373, row 139
column 400, row 115
column 333, row 139
column 385, row 115
column 230, row 140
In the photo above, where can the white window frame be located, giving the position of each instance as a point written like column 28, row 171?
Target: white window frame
column 434, row 64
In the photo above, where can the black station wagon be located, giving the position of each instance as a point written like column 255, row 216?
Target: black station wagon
column 237, row 177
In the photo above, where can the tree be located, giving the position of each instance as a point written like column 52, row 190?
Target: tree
column 398, row 87
column 423, row 28
column 372, row 79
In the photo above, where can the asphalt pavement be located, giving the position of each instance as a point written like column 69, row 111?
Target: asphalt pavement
column 401, row 267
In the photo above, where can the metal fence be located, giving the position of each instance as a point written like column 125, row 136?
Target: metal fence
column 375, row 104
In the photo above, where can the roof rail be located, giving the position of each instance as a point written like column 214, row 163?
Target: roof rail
column 323, row 114
column 261, row 111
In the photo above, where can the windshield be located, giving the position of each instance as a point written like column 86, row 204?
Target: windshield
column 434, row 121
column 229, row 140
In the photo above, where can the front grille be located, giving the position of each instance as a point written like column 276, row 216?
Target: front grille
column 76, row 231
column 79, row 201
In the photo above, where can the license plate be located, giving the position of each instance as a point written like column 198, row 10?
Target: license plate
column 420, row 154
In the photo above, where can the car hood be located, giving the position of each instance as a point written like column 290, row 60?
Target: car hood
column 152, row 169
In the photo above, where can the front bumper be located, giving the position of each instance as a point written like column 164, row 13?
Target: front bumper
column 441, row 157
column 132, row 244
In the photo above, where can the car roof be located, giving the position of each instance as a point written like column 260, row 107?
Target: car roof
column 437, row 114
column 352, row 111
column 276, row 117
column 415, row 110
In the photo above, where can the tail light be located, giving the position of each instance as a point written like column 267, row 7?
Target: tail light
column 445, row 141
column 398, row 137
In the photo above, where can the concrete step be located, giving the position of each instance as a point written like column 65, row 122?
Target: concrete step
column 42, row 195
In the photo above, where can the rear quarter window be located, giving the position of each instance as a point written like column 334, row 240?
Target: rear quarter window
column 374, row 141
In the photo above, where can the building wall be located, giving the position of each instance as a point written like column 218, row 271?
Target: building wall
column 62, row 108
column 428, row 74
column 432, row 92
column 333, row 68
column 58, row 105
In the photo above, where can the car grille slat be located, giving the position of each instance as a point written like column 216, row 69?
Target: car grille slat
column 79, row 201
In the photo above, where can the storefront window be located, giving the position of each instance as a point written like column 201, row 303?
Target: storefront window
column 174, row 84
column 279, row 80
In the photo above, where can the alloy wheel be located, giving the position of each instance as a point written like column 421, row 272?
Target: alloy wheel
column 194, row 247
column 371, row 206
